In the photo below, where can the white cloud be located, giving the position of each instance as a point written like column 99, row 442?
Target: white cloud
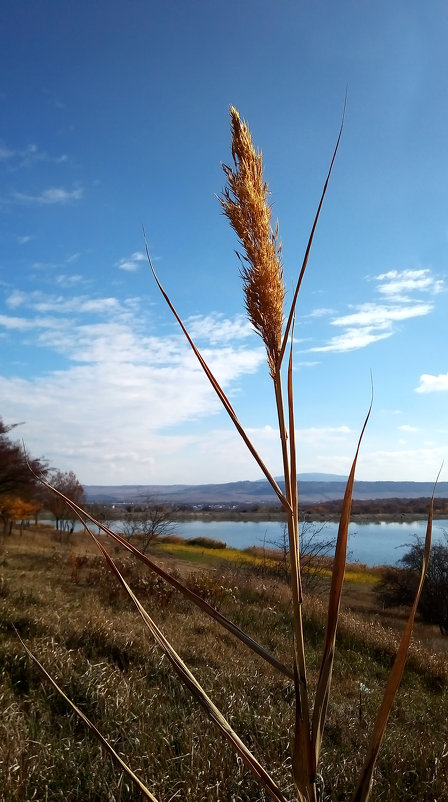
column 432, row 384
column 378, row 316
column 51, row 196
column 406, row 428
column 352, row 340
column 17, row 298
column 69, row 280
column 413, row 465
column 217, row 329
column 322, row 311
column 16, row 159
column 372, row 321
column 112, row 416
column 15, row 323
column 73, row 258
column 131, row 263
column 308, row 364
column 6, row 154
column 115, row 403
column 396, row 283
column 82, row 304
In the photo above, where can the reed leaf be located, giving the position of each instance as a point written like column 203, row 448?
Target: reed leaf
column 363, row 790
column 301, row 756
column 334, row 601
column 221, row 619
column 309, row 244
column 194, row 686
column 107, row 746
column 218, row 389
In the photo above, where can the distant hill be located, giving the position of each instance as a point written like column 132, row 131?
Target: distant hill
column 324, row 487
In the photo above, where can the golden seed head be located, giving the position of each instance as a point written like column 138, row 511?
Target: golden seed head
column 245, row 204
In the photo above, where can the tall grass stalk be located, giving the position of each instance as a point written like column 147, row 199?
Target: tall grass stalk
column 245, row 204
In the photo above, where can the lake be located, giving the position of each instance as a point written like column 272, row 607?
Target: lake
column 381, row 543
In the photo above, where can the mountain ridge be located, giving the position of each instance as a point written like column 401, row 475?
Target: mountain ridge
column 259, row 491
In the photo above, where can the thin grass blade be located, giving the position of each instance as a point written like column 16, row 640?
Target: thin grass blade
column 145, row 791
column 218, row 389
column 363, row 789
column 334, row 601
column 310, row 242
column 301, row 757
column 196, row 689
column 221, row 619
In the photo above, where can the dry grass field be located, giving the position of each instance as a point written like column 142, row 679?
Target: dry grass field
column 61, row 599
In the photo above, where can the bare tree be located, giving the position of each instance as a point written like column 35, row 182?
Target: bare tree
column 147, row 523
column 316, row 550
column 102, row 513
column 68, row 484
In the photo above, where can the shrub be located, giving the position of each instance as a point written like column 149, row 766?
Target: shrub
column 398, row 585
column 206, row 543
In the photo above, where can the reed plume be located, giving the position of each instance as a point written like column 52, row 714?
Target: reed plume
column 245, row 204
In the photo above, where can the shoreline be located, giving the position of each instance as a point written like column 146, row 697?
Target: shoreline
column 262, row 516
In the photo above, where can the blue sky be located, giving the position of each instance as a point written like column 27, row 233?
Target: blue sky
column 116, row 115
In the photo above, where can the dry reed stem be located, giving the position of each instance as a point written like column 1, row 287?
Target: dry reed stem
column 194, row 686
column 235, row 630
column 362, row 793
column 334, row 603
column 245, row 204
column 218, row 390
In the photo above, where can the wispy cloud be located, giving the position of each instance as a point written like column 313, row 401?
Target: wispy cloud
column 215, row 328
column 352, row 340
column 131, row 263
column 6, row 154
column 397, row 284
column 372, row 321
column 378, row 316
column 60, row 304
column 14, row 323
column 432, row 384
column 49, row 197
column 20, row 158
column 322, row 311
column 69, row 280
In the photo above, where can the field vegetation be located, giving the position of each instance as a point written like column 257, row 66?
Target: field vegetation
column 70, row 609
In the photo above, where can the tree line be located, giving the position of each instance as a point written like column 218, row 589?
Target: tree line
column 23, row 496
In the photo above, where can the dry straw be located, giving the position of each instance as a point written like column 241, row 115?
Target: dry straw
column 245, row 203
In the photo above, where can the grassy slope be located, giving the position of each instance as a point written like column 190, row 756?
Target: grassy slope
column 70, row 613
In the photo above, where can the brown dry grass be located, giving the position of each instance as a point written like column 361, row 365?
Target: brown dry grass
column 90, row 638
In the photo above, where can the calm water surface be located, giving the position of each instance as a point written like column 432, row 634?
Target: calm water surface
column 381, row 543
